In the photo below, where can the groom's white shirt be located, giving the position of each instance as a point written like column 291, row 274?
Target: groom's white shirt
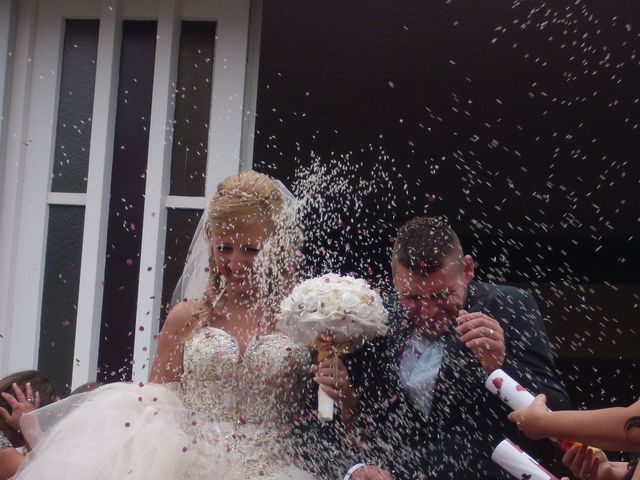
column 419, row 367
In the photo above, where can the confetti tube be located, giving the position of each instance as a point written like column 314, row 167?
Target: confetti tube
column 520, row 465
column 517, row 397
column 509, row 391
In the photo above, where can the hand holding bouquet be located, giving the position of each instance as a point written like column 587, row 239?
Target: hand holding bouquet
column 344, row 309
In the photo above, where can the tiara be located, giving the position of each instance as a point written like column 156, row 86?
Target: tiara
column 235, row 192
column 242, row 194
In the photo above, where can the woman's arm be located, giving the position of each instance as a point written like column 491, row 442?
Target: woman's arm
column 603, row 428
column 180, row 323
column 10, row 461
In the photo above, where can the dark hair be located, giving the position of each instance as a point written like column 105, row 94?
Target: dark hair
column 39, row 383
column 423, row 243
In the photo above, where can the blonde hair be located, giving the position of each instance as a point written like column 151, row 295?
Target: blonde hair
column 243, row 199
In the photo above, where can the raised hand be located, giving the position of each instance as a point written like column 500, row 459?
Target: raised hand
column 20, row 403
column 484, row 336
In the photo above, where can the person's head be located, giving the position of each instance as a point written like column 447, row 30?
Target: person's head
column 430, row 273
column 39, row 383
column 248, row 220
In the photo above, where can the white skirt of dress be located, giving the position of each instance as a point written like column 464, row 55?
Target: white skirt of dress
column 125, row 431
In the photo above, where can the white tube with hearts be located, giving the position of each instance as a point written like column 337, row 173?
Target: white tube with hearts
column 509, row 391
column 518, row 463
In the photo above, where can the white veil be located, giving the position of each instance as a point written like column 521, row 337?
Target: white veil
column 195, row 276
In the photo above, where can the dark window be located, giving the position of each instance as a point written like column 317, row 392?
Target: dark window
column 193, row 104
column 75, row 106
column 60, row 294
column 181, row 225
column 126, row 205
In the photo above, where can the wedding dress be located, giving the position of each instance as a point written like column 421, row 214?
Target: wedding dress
column 231, row 418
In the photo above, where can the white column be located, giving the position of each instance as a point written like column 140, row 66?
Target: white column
column 32, row 210
column 15, row 74
column 96, row 216
column 227, row 99
column 156, row 190
column 7, row 34
column 251, row 86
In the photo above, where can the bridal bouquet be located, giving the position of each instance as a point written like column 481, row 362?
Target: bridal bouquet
column 343, row 308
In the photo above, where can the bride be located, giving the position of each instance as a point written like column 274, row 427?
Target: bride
column 226, row 387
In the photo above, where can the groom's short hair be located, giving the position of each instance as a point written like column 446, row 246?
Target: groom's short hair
column 424, row 243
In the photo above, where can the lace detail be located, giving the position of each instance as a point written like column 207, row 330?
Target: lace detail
column 249, row 403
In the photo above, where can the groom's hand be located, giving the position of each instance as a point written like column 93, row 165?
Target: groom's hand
column 370, row 472
column 484, row 336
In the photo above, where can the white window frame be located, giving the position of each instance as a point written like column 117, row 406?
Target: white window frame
column 30, row 145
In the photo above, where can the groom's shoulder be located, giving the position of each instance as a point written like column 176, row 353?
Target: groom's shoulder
column 497, row 295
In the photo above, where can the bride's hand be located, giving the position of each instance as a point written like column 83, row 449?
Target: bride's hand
column 333, row 378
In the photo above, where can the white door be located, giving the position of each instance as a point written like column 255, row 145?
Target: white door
column 108, row 97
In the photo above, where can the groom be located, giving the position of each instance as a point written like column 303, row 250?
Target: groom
column 423, row 406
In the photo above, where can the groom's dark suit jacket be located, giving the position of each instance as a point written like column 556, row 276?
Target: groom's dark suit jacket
column 466, row 422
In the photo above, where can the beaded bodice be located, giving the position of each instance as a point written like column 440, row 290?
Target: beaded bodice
column 247, row 404
column 267, row 385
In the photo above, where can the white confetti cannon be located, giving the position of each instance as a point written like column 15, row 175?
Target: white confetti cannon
column 509, row 391
column 518, row 463
column 517, row 397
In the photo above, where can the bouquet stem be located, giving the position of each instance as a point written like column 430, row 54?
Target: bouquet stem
column 325, row 406
column 327, row 349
